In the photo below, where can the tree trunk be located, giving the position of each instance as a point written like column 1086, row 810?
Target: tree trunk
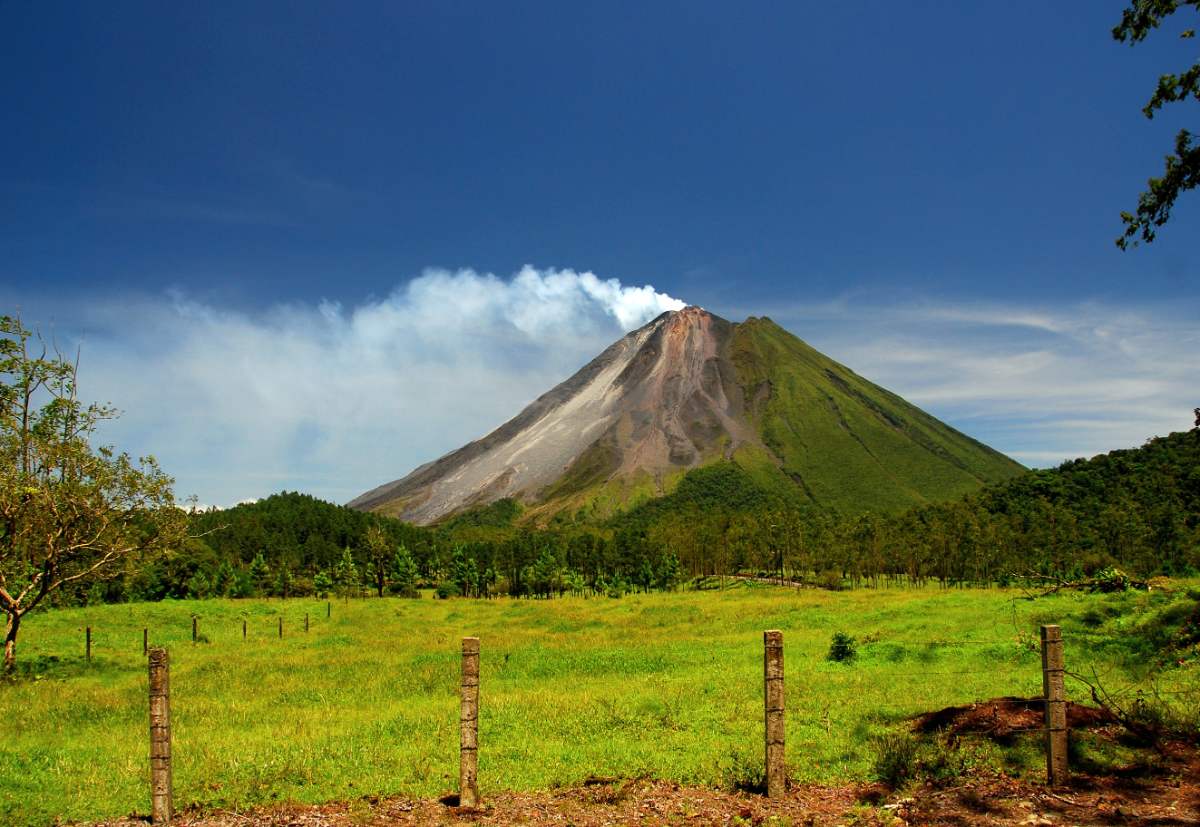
column 10, row 642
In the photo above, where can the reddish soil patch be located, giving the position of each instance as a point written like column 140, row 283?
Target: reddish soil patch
column 1169, row 797
column 1163, row 792
column 1000, row 718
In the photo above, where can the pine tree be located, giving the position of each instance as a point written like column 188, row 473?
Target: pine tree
column 260, row 574
column 403, row 573
column 283, row 581
column 322, row 583
column 668, row 572
column 345, row 575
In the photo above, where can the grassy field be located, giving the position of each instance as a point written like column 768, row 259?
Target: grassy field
column 666, row 685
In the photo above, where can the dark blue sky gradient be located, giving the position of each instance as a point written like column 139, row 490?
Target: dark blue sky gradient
column 727, row 153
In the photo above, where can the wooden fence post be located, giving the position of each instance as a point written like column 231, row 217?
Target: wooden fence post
column 160, row 736
column 88, row 643
column 328, row 608
column 1056, row 705
column 194, row 627
column 281, row 627
column 306, row 623
column 468, row 761
column 145, row 641
column 243, row 628
column 773, row 711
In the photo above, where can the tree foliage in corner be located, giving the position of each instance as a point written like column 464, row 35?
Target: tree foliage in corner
column 69, row 513
column 1182, row 170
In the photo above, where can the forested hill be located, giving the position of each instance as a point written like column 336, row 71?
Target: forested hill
column 1139, row 505
column 1136, row 509
column 295, row 529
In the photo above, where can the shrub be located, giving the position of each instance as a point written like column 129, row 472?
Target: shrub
column 895, row 759
column 830, row 580
column 744, row 773
column 902, row 757
column 842, row 648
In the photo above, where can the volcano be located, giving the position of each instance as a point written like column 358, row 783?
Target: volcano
column 687, row 390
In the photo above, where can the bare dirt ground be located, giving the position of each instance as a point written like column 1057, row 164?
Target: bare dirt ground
column 1172, row 801
column 1171, row 797
column 1161, row 792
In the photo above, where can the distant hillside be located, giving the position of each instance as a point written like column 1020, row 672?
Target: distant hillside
column 1137, row 509
column 687, row 391
column 297, row 529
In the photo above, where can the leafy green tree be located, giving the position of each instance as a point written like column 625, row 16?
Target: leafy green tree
column 224, row 580
column 668, row 572
column 70, row 512
column 574, row 582
column 545, row 574
column 1182, row 170
column 199, row 587
column 404, row 573
column 345, row 575
column 322, row 583
column 379, row 558
column 260, row 574
column 283, row 581
column 464, row 572
column 644, row 578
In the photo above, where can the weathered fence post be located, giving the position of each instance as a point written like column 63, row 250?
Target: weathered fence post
column 145, row 641
column 773, row 711
column 160, row 736
column 306, row 623
column 243, row 628
column 468, row 762
column 88, row 643
column 1056, row 705
column 281, row 627
column 328, row 608
column 194, row 627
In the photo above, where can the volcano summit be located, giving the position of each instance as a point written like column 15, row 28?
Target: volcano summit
column 689, row 389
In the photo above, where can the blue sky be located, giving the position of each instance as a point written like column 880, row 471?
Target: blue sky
column 239, row 208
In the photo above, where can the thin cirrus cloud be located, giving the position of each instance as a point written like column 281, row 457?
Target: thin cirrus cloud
column 1042, row 384
column 334, row 400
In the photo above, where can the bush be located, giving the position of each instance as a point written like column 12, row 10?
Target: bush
column 447, row 589
column 842, row 648
column 895, row 758
column 744, row 773
column 902, row 757
column 830, row 580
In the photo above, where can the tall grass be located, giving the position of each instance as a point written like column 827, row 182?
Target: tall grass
column 668, row 685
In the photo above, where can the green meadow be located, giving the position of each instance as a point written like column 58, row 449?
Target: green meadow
column 665, row 685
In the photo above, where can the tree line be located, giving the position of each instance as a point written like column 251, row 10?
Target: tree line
column 1137, row 510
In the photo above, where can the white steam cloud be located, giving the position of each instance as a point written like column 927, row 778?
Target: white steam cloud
column 335, row 400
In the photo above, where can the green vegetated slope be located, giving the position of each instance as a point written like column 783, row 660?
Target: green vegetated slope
column 847, row 443
column 296, row 535
column 1137, row 509
column 826, row 438
column 1133, row 507
column 700, row 390
column 665, row 685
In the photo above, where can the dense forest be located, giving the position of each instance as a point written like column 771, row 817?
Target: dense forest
column 1137, row 510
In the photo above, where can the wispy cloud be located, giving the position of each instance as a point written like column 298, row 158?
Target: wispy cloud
column 1043, row 384
column 332, row 399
